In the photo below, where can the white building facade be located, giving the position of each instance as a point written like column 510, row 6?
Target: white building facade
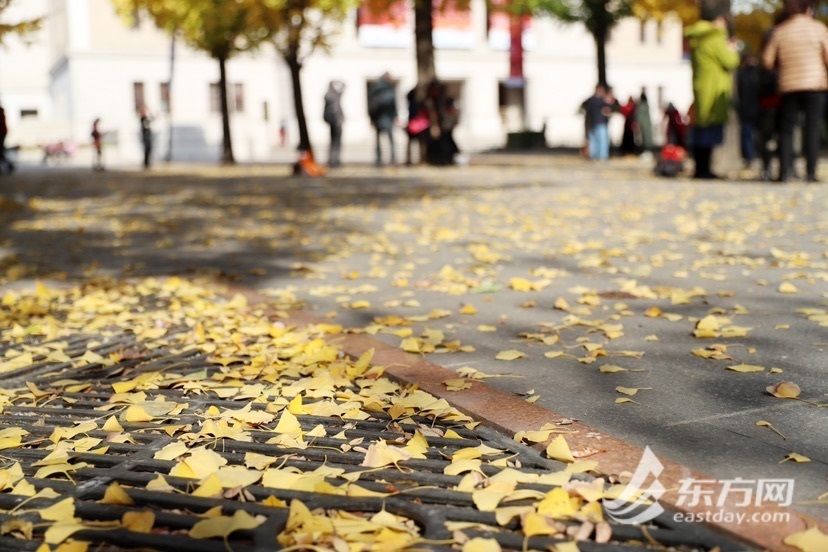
column 87, row 63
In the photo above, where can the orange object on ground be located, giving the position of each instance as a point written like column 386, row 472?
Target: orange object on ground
column 306, row 166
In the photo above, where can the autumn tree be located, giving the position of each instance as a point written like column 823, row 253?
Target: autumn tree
column 220, row 28
column 17, row 27
column 296, row 28
column 597, row 16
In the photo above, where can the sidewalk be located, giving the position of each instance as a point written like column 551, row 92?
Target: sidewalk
column 552, row 264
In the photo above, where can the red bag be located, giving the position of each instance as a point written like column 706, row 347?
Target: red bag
column 419, row 123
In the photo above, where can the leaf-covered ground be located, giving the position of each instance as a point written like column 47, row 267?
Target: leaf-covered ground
column 691, row 316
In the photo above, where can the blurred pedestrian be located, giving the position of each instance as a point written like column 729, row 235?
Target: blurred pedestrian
column 714, row 57
column 768, row 125
column 382, row 108
column 146, row 135
column 628, row 138
column 676, row 126
column 747, row 106
column 645, row 123
column 97, row 145
column 417, row 127
column 334, row 117
column 798, row 48
column 597, row 110
column 282, row 133
column 444, row 115
column 5, row 164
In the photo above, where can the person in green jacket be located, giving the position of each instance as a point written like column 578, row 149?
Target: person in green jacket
column 714, row 57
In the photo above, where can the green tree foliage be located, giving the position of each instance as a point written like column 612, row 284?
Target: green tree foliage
column 18, row 27
column 220, row 28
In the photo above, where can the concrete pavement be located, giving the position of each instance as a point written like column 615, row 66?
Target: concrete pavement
column 573, row 266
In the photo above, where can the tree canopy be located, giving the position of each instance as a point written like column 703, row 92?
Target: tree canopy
column 18, row 27
column 219, row 28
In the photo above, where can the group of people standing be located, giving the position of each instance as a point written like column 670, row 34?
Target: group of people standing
column 791, row 90
column 638, row 126
column 777, row 92
column 430, row 126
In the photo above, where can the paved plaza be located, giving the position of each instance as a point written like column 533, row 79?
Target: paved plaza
column 685, row 316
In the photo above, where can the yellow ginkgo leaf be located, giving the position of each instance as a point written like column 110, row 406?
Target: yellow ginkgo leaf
column 115, row 494
column 60, row 511
column 811, row 540
column 171, row 451
column 536, row 524
column 136, row 413
column 380, row 454
column 511, row 354
column 223, row 526
column 795, row 457
column 746, row 368
column 480, row 544
column 787, row 287
column 138, row 522
column 611, row 369
column 288, row 424
column 559, row 450
column 784, row 390
column 631, row 391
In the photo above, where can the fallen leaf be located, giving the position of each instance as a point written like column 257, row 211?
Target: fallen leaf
column 784, row 390
column 795, row 457
column 811, row 540
column 511, row 354
column 559, row 450
column 745, row 368
column 223, row 526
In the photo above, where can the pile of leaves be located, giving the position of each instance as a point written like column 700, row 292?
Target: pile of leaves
column 251, row 383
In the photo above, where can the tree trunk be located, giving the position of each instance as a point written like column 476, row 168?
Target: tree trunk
column 227, row 144
column 423, row 28
column 292, row 59
column 601, row 55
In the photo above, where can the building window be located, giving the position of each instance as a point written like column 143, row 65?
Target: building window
column 265, row 111
column 165, row 97
column 138, row 94
column 215, row 97
column 642, row 30
column 659, row 31
column 238, row 97
column 235, row 97
column 28, row 113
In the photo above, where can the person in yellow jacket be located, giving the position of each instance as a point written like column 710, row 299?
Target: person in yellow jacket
column 714, row 56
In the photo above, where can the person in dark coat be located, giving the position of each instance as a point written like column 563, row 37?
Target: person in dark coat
column 382, row 108
column 747, row 106
column 146, row 136
column 628, row 142
column 335, row 118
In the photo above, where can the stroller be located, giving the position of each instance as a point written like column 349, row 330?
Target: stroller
column 670, row 161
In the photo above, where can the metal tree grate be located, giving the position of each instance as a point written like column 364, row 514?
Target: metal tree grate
column 421, row 491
